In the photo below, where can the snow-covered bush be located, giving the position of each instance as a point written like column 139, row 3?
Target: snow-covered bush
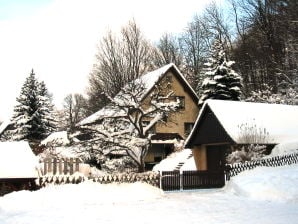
column 246, row 153
column 253, row 139
column 118, row 165
column 287, row 96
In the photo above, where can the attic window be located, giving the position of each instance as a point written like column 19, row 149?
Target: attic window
column 168, row 78
column 181, row 100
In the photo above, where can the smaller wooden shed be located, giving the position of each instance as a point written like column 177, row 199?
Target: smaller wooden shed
column 223, row 124
column 18, row 167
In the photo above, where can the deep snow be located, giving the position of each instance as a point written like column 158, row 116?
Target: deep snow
column 263, row 195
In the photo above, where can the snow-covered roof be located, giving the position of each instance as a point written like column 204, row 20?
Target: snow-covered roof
column 279, row 121
column 56, row 138
column 17, row 160
column 150, row 80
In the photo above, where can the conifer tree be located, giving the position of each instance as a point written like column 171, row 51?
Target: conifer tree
column 31, row 118
column 48, row 123
column 220, row 81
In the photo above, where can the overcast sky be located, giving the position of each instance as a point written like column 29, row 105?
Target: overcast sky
column 57, row 38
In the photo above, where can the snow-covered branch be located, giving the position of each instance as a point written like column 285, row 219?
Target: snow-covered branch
column 133, row 114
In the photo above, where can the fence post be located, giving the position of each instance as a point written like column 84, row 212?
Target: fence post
column 77, row 165
column 160, row 180
column 71, row 166
column 60, row 166
column 54, row 166
column 50, row 166
column 181, row 180
column 45, row 166
column 65, row 166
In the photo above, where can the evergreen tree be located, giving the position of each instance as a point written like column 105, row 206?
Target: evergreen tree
column 48, row 123
column 220, row 81
column 31, row 119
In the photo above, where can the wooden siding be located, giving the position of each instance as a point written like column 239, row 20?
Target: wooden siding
column 209, row 131
column 176, row 121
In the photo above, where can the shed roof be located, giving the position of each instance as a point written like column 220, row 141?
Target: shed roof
column 17, row 160
column 150, row 80
column 280, row 122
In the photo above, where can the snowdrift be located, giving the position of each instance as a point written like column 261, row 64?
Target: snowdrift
column 267, row 183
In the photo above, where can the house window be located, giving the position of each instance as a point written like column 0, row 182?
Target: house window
column 187, row 128
column 168, row 78
column 181, row 100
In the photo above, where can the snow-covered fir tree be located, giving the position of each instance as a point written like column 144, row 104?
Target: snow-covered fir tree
column 48, row 122
column 32, row 118
column 220, row 81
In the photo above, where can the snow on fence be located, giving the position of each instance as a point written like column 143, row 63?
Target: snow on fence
column 147, row 177
column 234, row 169
column 57, row 171
column 60, row 171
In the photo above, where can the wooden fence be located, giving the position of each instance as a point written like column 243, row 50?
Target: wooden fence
column 55, row 166
column 147, row 177
column 234, row 169
column 192, row 179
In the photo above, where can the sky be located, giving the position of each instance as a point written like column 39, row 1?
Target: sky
column 58, row 38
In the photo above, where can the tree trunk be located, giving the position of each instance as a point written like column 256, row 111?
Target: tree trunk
column 141, row 167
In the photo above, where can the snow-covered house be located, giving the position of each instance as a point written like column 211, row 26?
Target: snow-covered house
column 176, row 127
column 18, row 165
column 224, row 124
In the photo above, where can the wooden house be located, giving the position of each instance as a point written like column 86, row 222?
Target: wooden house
column 222, row 125
column 178, row 125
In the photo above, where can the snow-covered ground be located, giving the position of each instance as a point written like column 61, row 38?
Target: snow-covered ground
column 263, row 195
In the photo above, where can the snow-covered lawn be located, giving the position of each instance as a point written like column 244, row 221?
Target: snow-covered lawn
column 263, row 195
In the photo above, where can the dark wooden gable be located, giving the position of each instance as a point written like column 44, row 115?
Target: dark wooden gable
column 208, row 130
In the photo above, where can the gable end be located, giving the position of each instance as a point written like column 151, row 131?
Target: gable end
column 208, row 131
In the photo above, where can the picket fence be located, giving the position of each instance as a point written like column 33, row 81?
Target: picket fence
column 57, row 166
column 59, row 171
column 235, row 169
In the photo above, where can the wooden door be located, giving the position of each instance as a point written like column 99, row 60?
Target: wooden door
column 215, row 157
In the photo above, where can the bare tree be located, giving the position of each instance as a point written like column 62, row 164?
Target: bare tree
column 74, row 109
column 218, row 25
column 169, row 51
column 267, row 34
column 194, row 43
column 120, row 59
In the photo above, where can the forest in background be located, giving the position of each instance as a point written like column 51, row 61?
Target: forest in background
column 259, row 35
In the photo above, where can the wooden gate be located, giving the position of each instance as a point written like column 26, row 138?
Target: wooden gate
column 192, row 179
column 170, row 180
column 202, row 179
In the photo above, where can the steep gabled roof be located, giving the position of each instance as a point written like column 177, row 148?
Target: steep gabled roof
column 279, row 121
column 150, row 80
